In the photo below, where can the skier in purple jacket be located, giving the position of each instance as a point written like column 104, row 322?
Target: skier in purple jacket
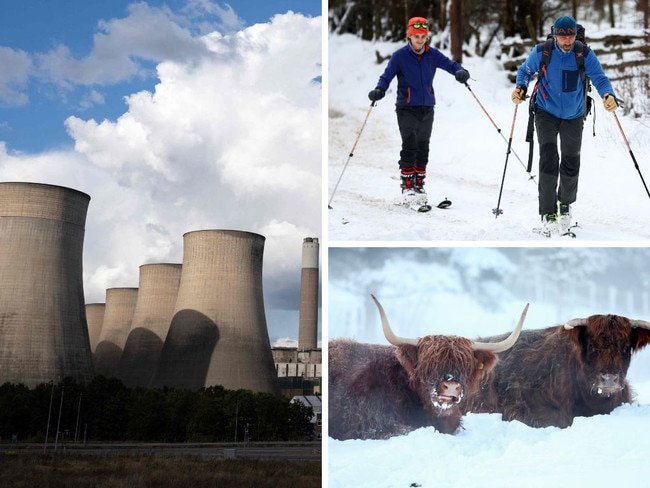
column 415, row 66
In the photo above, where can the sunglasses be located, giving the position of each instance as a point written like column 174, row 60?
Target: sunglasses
column 418, row 25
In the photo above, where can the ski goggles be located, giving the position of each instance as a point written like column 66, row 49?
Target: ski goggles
column 420, row 25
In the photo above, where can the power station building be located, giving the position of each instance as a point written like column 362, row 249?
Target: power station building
column 43, row 329
column 95, row 319
column 191, row 325
column 218, row 334
column 154, row 309
column 120, row 306
column 299, row 370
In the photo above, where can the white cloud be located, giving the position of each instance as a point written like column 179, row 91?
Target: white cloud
column 90, row 99
column 230, row 141
column 119, row 46
column 14, row 74
column 207, row 16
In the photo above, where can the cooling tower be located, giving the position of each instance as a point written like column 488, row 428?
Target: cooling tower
column 120, row 305
column 95, row 319
column 218, row 335
column 43, row 331
column 153, row 313
column 308, row 318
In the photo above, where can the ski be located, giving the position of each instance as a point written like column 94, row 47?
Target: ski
column 446, row 203
column 567, row 233
column 423, row 207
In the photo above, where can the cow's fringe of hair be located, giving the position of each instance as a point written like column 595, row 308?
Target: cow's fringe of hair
column 446, row 353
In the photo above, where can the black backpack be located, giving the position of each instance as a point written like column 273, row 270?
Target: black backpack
column 580, row 49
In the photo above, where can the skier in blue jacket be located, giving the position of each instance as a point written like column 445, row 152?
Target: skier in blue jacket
column 415, row 65
column 560, row 110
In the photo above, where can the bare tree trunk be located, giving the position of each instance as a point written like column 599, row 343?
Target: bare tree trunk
column 407, row 11
column 611, row 13
column 456, row 30
column 443, row 15
column 509, row 18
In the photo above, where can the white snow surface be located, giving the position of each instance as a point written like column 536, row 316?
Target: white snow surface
column 467, row 160
column 602, row 451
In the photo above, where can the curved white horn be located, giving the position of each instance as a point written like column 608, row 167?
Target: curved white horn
column 575, row 323
column 390, row 336
column 640, row 323
column 505, row 344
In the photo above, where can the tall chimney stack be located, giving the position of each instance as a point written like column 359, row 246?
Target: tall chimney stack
column 308, row 317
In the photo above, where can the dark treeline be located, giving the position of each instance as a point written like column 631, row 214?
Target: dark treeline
column 478, row 20
column 106, row 410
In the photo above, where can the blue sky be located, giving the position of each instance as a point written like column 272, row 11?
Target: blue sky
column 173, row 116
column 35, row 98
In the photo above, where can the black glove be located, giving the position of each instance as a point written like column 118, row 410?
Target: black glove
column 376, row 94
column 462, row 75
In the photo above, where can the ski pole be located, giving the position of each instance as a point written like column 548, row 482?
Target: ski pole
column 532, row 177
column 636, row 165
column 372, row 104
column 497, row 211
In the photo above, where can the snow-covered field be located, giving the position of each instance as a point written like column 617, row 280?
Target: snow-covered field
column 603, row 451
column 467, row 160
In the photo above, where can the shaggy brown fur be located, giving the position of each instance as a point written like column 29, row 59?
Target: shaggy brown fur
column 550, row 376
column 376, row 392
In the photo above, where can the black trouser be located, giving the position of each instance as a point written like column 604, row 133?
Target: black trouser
column 551, row 165
column 415, row 126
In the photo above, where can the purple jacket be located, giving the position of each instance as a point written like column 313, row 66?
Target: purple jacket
column 415, row 74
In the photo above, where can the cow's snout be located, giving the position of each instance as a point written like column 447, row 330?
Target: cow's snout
column 450, row 389
column 608, row 383
column 446, row 394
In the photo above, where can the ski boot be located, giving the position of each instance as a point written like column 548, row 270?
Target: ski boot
column 406, row 184
column 418, row 183
column 564, row 217
column 550, row 225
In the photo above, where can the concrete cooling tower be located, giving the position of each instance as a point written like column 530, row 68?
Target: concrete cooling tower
column 95, row 319
column 120, row 305
column 218, row 335
column 308, row 318
column 153, row 313
column 43, row 331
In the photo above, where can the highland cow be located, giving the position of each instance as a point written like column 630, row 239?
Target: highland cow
column 378, row 391
column 550, row 376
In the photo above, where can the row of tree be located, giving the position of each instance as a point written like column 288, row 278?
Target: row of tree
column 461, row 22
column 106, row 410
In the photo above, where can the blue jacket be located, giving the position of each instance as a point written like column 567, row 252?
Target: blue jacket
column 415, row 74
column 561, row 92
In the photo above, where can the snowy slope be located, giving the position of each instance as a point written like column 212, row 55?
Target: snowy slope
column 602, row 451
column 468, row 156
